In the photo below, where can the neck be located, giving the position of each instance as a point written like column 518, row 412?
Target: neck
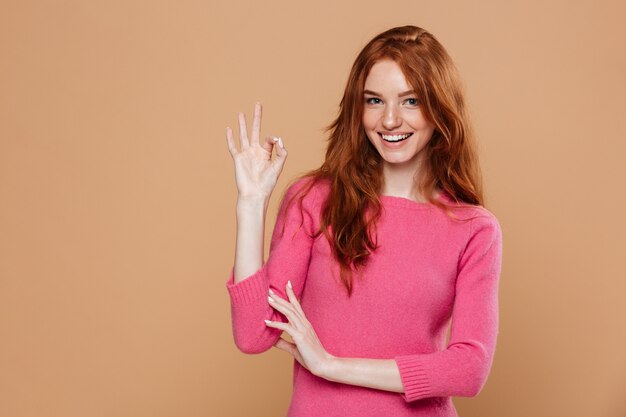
column 401, row 180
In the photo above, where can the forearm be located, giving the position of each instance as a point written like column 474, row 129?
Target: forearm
column 380, row 374
column 250, row 236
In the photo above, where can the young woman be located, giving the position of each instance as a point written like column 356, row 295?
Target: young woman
column 379, row 251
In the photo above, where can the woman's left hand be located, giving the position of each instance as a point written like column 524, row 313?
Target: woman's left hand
column 307, row 349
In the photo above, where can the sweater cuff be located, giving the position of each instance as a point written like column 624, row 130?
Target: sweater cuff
column 414, row 377
column 252, row 289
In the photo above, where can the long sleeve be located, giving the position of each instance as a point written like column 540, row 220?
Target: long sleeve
column 290, row 252
column 462, row 368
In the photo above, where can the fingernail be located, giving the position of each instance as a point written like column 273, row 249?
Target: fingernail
column 270, row 299
column 267, row 321
column 280, row 143
column 271, row 292
column 275, row 139
column 289, row 284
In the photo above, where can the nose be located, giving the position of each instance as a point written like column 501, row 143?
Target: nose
column 391, row 118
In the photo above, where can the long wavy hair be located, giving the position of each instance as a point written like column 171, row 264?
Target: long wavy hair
column 353, row 166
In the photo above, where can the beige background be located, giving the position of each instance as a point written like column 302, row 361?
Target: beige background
column 117, row 193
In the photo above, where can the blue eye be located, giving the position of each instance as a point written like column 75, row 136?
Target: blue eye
column 370, row 100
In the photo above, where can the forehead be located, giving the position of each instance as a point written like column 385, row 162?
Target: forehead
column 386, row 76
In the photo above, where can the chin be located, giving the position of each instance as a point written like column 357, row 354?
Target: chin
column 400, row 160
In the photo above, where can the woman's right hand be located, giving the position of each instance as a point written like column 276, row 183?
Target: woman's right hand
column 256, row 172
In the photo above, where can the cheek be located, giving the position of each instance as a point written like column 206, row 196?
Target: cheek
column 369, row 120
column 370, row 139
column 419, row 121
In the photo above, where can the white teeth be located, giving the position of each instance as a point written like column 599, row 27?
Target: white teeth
column 395, row 138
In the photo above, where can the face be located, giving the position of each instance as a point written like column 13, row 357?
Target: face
column 392, row 116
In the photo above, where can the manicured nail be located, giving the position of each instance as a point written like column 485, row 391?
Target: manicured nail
column 267, row 321
column 289, row 284
column 271, row 292
column 270, row 299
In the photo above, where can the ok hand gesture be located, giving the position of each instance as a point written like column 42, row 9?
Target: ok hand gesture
column 256, row 172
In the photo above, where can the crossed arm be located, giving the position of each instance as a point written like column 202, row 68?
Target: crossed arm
column 380, row 374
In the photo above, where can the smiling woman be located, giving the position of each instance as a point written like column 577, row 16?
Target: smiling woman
column 379, row 251
column 393, row 120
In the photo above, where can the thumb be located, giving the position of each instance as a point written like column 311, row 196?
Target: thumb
column 282, row 344
column 275, row 142
column 270, row 142
column 281, row 154
column 280, row 150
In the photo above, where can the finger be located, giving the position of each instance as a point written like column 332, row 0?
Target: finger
column 270, row 143
column 280, row 325
column 286, row 346
column 282, row 306
column 276, row 142
column 281, row 155
column 280, row 150
column 243, row 133
column 293, row 299
column 286, row 308
column 256, row 123
column 231, row 141
column 292, row 348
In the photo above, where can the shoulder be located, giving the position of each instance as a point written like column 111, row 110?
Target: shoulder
column 479, row 220
column 465, row 211
column 485, row 233
column 486, row 223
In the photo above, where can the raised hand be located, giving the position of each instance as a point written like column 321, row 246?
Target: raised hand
column 256, row 172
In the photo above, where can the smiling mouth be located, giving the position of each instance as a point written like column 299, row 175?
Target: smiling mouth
column 395, row 138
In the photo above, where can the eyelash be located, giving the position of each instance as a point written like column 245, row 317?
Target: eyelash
column 369, row 100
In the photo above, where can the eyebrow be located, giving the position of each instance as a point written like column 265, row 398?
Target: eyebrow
column 373, row 93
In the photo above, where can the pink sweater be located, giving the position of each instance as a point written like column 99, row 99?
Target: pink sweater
column 428, row 272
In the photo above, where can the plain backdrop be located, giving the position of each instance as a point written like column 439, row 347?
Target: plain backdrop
column 117, row 193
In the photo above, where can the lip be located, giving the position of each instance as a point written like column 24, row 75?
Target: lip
column 394, row 134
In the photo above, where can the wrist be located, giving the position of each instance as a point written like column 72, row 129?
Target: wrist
column 252, row 202
column 329, row 367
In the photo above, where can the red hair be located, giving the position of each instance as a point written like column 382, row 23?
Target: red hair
column 353, row 166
